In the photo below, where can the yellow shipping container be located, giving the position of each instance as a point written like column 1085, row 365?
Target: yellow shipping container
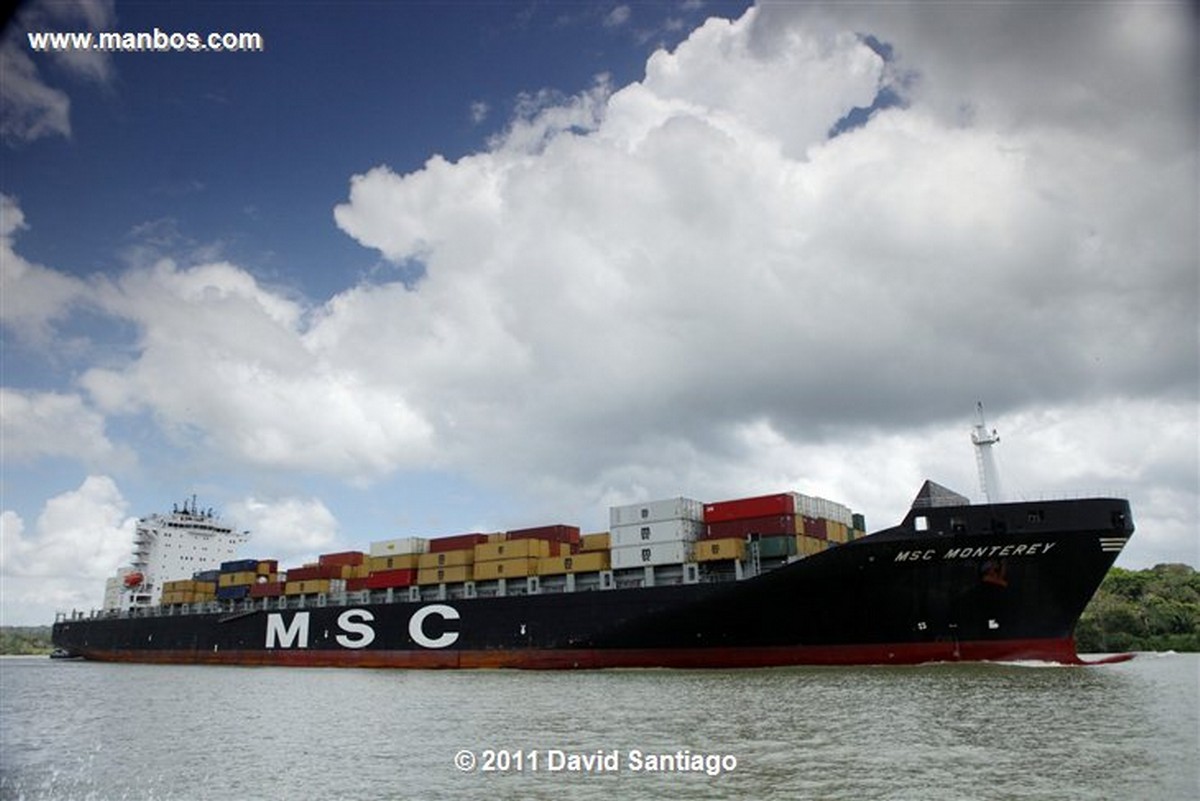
column 719, row 549
column 359, row 571
column 505, row 568
column 499, row 537
column 516, row 549
column 308, row 587
column 444, row 575
column 240, row 579
column 588, row 562
column 406, row 561
column 458, row 558
column 181, row 597
column 835, row 531
column 799, row 523
column 807, row 546
column 595, row 542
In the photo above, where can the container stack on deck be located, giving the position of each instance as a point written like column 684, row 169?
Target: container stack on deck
column 591, row 555
column 330, row 573
column 654, row 532
column 768, row 520
column 237, row 578
column 515, row 554
column 450, row 560
column 393, row 563
column 720, row 540
column 190, row 591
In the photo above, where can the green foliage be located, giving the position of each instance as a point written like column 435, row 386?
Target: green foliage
column 25, row 640
column 1143, row 610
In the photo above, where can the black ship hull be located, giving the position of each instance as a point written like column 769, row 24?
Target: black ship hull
column 998, row 582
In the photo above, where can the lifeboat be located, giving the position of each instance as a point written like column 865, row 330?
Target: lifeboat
column 134, row 579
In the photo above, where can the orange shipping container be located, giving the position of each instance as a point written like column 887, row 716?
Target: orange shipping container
column 406, row 561
column 457, row 558
column 240, row 579
column 807, row 546
column 306, row 587
column 583, row 562
column 444, row 575
column 505, row 568
column 180, row 585
column 720, row 549
column 516, row 549
column 595, row 542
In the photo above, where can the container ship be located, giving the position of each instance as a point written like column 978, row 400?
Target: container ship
column 769, row 580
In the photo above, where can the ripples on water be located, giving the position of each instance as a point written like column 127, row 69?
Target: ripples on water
column 82, row 730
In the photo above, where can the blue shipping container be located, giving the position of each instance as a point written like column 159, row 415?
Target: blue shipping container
column 240, row 566
column 226, row 593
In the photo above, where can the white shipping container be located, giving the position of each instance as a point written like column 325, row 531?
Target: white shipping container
column 654, row 511
column 659, row 553
column 820, row 507
column 673, row 530
column 400, row 547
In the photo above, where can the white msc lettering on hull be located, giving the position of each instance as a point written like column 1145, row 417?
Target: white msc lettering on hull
column 976, row 552
column 356, row 628
column 286, row 636
column 416, row 625
column 358, row 634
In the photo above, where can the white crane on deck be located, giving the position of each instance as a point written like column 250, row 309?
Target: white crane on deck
column 989, row 476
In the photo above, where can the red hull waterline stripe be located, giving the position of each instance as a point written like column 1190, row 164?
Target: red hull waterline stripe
column 1048, row 650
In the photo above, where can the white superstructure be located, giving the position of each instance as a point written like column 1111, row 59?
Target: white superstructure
column 170, row 547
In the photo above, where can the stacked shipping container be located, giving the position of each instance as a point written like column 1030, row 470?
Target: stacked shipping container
column 654, row 532
column 670, row 531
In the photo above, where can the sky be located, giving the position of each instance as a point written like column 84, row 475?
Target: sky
column 419, row 269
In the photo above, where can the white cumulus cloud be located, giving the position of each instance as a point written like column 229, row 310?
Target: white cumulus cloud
column 41, row 424
column 289, row 529
column 686, row 284
column 79, row 539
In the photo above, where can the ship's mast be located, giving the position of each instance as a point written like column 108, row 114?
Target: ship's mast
column 989, row 477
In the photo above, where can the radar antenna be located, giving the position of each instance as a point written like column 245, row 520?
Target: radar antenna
column 989, row 477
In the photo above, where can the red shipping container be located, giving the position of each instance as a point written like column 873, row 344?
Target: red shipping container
column 555, row 533
column 383, row 579
column 269, row 589
column 314, row 573
column 344, row 558
column 356, row 584
column 777, row 524
column 759, row 506
column 815, row 527
column 457, row 542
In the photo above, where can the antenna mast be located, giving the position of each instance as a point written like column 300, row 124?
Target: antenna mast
column 989, row 477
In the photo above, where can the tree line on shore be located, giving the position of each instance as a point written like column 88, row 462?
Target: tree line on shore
column 1157, row 609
